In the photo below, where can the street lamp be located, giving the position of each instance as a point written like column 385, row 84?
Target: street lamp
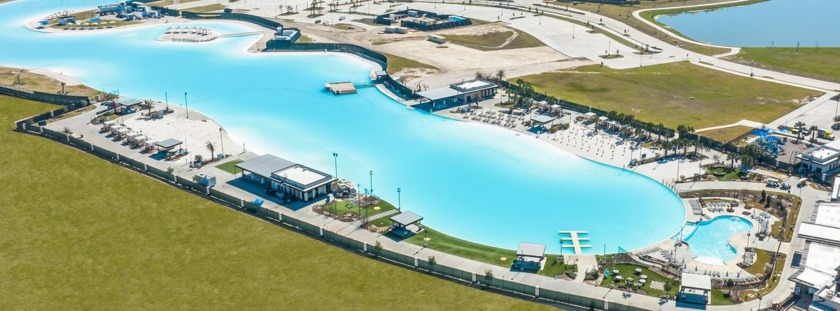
column 222, row 142
column 399, row 199
column 371, row 182
column 335, row 160
column 186, row 105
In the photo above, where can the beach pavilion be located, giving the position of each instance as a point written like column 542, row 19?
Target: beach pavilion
column 285, row 178
column 402, row 221
column 168, row 145
column 542, row 120
column 695, row 289
column 529, row 256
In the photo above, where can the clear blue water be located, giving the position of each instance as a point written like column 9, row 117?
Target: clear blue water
column 780, row 23
column 480, row 183
column 710, row 238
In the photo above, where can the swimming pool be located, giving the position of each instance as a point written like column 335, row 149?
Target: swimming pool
column 709, row 240
column 480, row 183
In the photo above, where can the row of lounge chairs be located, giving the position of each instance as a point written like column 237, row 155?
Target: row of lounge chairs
column 496, row 118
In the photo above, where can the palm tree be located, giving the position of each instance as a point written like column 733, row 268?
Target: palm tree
column 211, row 147
column 501, row 74
column 479, row 75
column 148, row 105
column 799, row 126
column 814, row 129
column 731, row 156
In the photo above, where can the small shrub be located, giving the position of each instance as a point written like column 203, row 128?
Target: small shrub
column 668, row 286
column 432, row 260
column 488, row 274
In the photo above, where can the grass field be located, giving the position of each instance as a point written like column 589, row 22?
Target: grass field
column 667, row 93
column 718, row 298
column 726, row 134
column 624, row 14
column 230, row 166
column 41, row 83
column 479, row 252
column 80, row 233
column 496, row 40
column 818, row 63
column 206, row 8
column 396, row 63
column 164, row 3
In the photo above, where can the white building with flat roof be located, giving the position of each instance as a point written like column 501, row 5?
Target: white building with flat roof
column 458, row 94
column 287, row 178
column 821, row 161
column 819, row 269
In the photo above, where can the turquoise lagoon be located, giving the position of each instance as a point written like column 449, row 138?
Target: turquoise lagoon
column 480, row 183
column 781, row 23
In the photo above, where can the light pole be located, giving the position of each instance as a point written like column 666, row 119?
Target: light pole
column 371, row 182
column 335, row 160
column 166, row 95
column 186, row 105
column 399, row 199
column 222, row 142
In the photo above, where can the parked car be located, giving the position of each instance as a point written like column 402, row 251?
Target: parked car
column 772, row 183
column 784, row 186
column 317, row 21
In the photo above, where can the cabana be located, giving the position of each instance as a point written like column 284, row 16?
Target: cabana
column 402, row 221
column 168, row 145
column 695, row 289
column 529, row 256
column 542, row 120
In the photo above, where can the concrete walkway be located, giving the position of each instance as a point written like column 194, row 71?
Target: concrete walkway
column 741, row 123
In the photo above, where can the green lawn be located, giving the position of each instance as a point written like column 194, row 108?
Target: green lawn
column 455, row 246
column 479, row 252
column 83, row 234
column 230, row 166
column 677, row 93
column 718, row 298
column 728, row 174
column 492, row 41
column 726, row 134
column 206, row 8
column 629, row 271
column 396, row 63
column 761, row 259
column 819, row 63
column 164, row 3
column 343, row 206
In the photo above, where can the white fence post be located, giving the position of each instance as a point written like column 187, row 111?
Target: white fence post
column 416, row 262
column 536, row 291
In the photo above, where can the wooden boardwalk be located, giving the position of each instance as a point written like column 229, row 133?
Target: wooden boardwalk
column 574, row 237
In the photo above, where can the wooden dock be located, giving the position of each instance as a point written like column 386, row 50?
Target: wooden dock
column 574, row 237
column 341, row 88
